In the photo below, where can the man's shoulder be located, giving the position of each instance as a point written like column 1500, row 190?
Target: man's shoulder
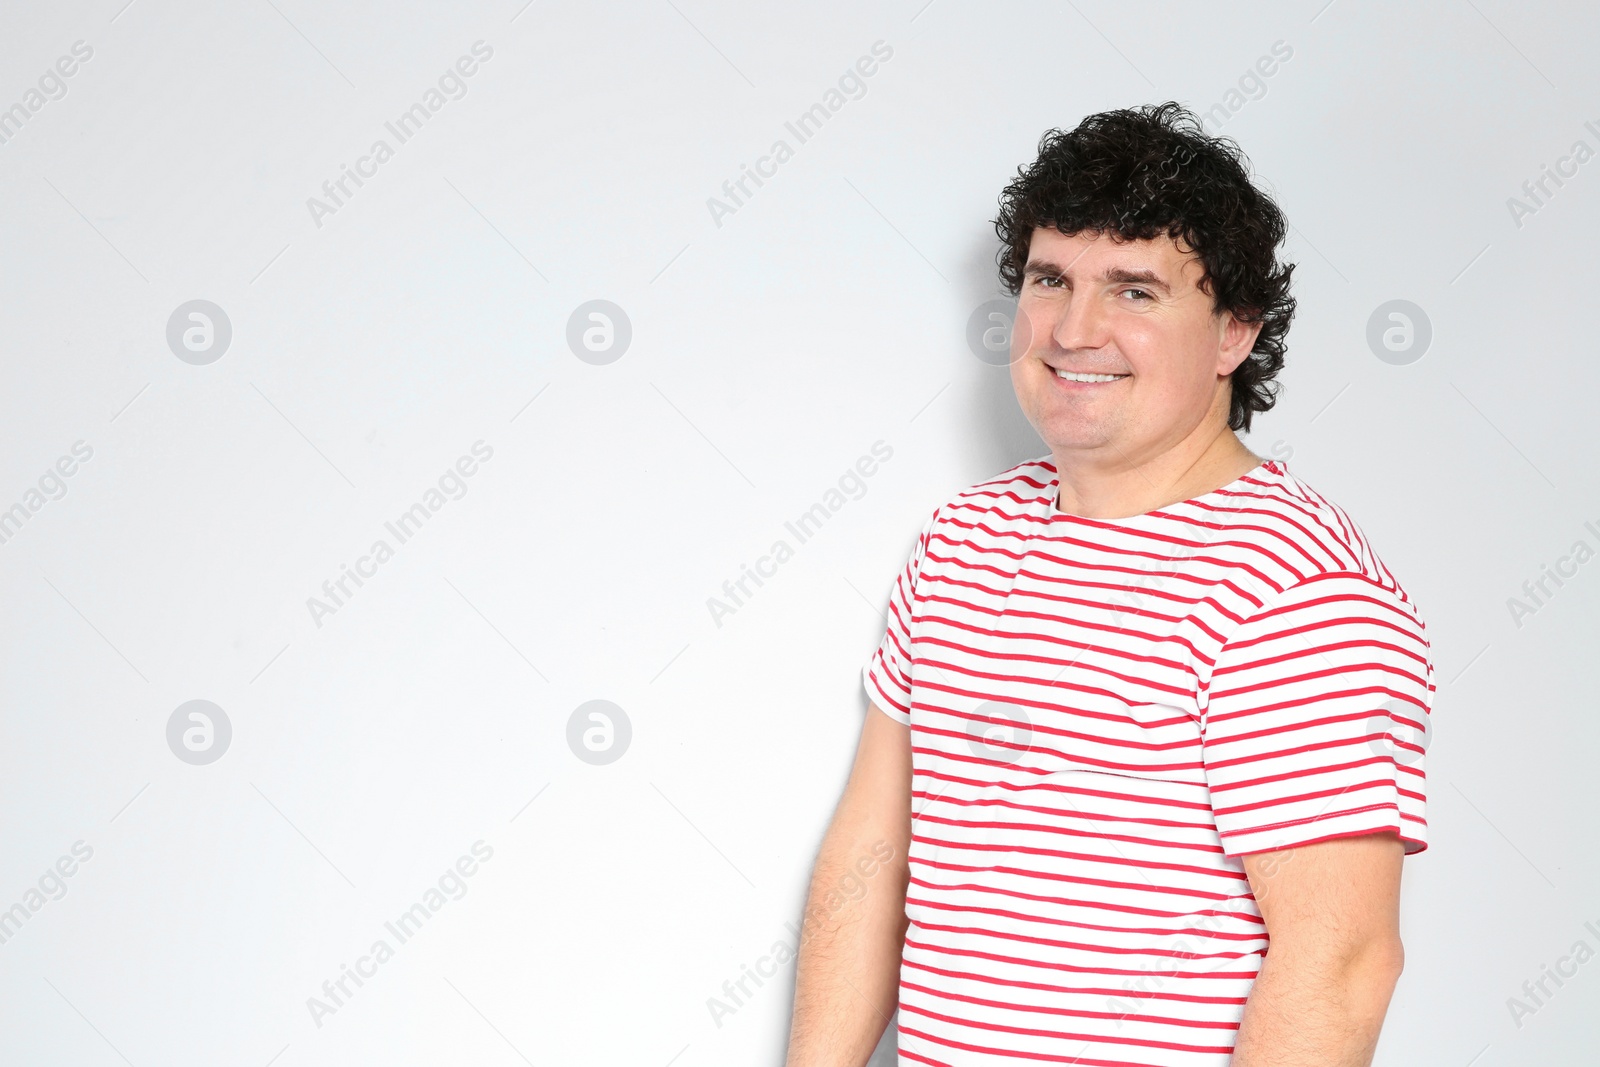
column 1020, row 486
column 1269, row 523
column 1306, row 534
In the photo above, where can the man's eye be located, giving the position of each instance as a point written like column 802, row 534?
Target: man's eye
column 1045, row 278
column 1141, row 292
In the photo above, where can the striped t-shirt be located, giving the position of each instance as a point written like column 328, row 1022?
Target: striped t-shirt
column 1105, row 715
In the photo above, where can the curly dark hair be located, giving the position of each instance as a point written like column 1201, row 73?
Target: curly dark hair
column 1138, row 172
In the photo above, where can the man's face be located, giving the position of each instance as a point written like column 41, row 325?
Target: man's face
column 1132, row 309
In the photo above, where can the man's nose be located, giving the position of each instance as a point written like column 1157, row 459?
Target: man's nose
column 1079, row 324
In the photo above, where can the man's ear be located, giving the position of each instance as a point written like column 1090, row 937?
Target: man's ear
column 1237, row 340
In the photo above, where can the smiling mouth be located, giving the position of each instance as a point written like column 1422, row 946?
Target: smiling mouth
column 1071, row 376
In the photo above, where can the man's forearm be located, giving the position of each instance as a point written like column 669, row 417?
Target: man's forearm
column 848, row 972
column 1310, row 1010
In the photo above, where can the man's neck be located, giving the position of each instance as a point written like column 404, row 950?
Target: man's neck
column 1094, row 489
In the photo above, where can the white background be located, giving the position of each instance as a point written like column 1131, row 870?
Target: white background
column 768, row 353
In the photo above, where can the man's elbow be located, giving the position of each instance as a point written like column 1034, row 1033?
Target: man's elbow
column 1370, row 974
column 1381, row 958
column 1359, row 973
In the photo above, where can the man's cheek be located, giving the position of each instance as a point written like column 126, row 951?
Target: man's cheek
column 1024, row 328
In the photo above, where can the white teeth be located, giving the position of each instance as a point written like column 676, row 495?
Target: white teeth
column 1069, row 376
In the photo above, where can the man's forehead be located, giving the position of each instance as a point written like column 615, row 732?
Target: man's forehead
column 1052, row 251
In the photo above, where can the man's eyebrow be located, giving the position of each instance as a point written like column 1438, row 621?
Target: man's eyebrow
column 1139, row 276
column 1135, row 275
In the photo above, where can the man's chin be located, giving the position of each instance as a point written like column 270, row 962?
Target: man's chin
column 1072, row 430
column 1080, row 446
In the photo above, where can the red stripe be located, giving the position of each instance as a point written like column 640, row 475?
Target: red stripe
column 1105, row 1036
column 1125, row 992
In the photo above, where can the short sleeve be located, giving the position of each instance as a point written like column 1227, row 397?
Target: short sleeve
column 887, row 675
column 1317, row 717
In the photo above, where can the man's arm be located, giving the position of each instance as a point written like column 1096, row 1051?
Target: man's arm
column 1333, row 918
column 847, row 977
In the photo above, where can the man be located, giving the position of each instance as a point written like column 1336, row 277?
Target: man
column 1144, row 705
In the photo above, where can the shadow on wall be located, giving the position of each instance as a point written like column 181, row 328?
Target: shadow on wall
column 888, row 1051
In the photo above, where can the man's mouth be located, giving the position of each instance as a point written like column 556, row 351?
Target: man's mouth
column 1073, row 376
